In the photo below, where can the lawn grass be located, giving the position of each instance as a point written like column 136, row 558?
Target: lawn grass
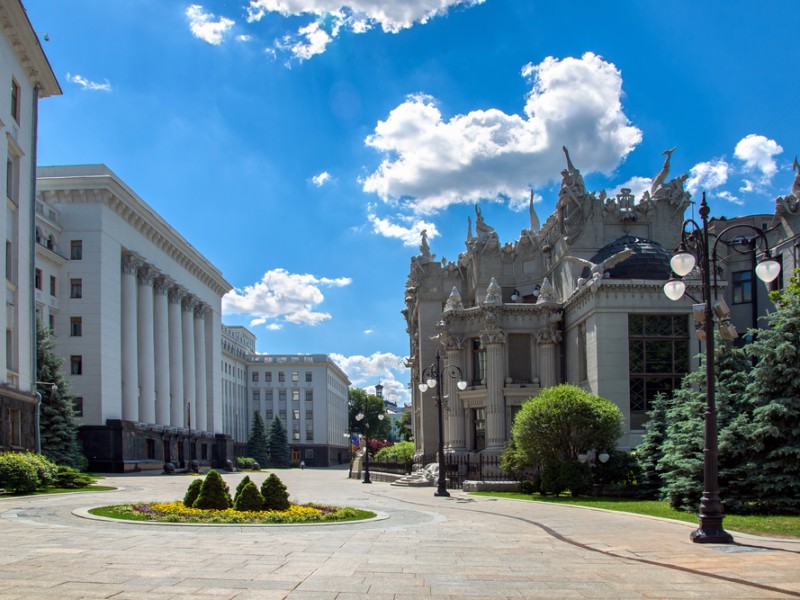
column 57, row 490
column 787, row 526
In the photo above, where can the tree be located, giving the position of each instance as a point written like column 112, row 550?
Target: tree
column 649, row 452
column 214, row 493
column 278, row 444
column 774, row 392
column 258, row 443
column 274, row 493
column 371, row 406
column 249, row 498
column 59, row 434
column 403, row 426
column 564, row 421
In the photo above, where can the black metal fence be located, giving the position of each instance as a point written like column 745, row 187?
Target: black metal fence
column 458, row 468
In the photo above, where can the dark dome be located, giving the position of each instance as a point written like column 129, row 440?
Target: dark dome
column 649, row 261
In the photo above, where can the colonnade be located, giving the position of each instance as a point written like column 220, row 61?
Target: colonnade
column 164, row 354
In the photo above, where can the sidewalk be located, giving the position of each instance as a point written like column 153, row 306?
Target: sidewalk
column 423, row 547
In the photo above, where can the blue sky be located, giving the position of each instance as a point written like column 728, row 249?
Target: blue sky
column 301, row 145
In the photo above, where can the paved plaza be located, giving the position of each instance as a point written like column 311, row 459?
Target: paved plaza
column 420, row 547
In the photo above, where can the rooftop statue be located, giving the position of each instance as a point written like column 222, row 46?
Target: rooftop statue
column 660, row 179
column 481, row 228
column 424, row 248
column 572, row 183
column 493, row 293
column 535, row 226
column 790, row 205
column 796, row 184
column 598, row 271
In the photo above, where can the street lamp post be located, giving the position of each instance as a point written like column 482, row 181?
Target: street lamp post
column 694, row 247
column 38, row 394
column 432, row 378
column 365, row 416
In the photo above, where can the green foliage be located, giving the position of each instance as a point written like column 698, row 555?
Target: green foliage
column 274, row 493
column 399, row 452
column 403, row 426
column 59, row 433
column 214, row 493
column 69, row 478
column 240, row 487
column 17, row 473
column 278, row 444
column 249, row 498
column 564, row 421
column 371, row 406
column 46, row 470
column 513, row 460
column 246, row 462
column 649, row 452
column 192, row 492
column 621, row 469
column 572, row 475
column 258, row 443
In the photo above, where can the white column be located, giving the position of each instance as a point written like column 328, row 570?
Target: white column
column 147, row 364
column 548, row 337
column 188, row 356
column 494, row 339
column 176, row 413
column 455, row 437
column 130, row 357
column 161, row 334
column 200, row 366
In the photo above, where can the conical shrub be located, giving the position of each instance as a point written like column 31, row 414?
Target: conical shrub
column 192, row 492
column 249, row 498
column 240, row 487
column 274, row 492
column 214, row 493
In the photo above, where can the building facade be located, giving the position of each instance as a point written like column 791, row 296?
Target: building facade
column 136, row 313
column 577, row 300
column 26, row 75
column 309, row 393
column 238, row 344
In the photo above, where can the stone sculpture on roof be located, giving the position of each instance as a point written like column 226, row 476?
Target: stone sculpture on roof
column 660, row 179
column 790, row 205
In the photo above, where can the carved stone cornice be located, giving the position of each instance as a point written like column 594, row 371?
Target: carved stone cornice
column 548, row 335
column 493, row 336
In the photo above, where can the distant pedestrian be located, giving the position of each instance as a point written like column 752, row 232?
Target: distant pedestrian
column 302, row 465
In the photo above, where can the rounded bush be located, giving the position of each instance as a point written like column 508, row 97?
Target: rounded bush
column 249, row 498
column 192, row 492
column 69, row 478
column 46, row 470
column 274, row 492
column 17, row 474
column 214, row 493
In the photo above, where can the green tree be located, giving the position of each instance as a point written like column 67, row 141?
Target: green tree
column 371, row 407
column 214, row 493
column 278, row 444
column 564, row 421
column 274, row 493
column 59, row 434
column 403, row 426
column 249, row 498
column 192, row 492
column 258, row 443
column 774, row 392
column 245, row 480
column 649, row 452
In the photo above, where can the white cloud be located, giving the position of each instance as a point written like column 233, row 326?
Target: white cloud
column 87, row 84
column 431, row 162
column 707, row 176
column 244, row 37
column 282, row 297
column 758, row 153
column 637, row 185
column 409, row 234
column 204, row 27
column 729, row 197
column 381, row 367
column 369, row 331
column 358, row 16
column 321, row 179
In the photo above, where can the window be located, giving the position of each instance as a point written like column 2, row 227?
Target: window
column 519, row 357
column 15, row 99
column 52, row 285
column 76, row 326
column 269, row 416
column 77, row 407
column 268, row 396
column 309, row 453
column 282, row 414
column 9, row 179
column 309, row 415
column 255, row 376
column 742, row 287
column 204, row 451
column 281, row 377
column 15, row 424
column 309, row 395
column 658, row 359
column 9, row 261
column 256, row 395
column 150, row 449
column 268, row 377
column 295, row 377
column 76, row 250
column 295, row 395
column 295, row 415
column 308, row 376
column 37, row 279
column 478, row 362
column 76, row 364
column 282, row 395
column 51, row 323
column 296, row 434
column 76, row 288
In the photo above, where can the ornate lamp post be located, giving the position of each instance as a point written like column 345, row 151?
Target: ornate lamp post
column 365, row 416
column 694, row 250
column 432, row 378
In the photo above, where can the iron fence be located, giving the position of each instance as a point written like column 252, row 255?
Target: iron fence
column 458, row 468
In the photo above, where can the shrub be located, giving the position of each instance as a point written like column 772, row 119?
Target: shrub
column 249, row 498
column 399, row 452
column 46, row 470
column 245, row 462
column 569, row 475
column 17, row 474
column 240, row 487
column 274, row 492
column 192, row 492
column 214, row 493
column 69, row 478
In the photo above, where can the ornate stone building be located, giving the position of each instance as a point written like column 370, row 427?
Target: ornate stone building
column 577, row 300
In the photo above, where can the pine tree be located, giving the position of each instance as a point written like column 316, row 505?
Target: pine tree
column 650, row 450
column 274, row 493
column 59, row 434
column 258, row 443
column 278, row 444
column 214, row 493
column 775, row 394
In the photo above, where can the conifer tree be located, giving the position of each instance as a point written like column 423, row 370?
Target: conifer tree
column 774, row 392
column 278, row 444
column 649, row 452
column 59, row 434
column 274, row 493
column 214, row 493
column 258, row 443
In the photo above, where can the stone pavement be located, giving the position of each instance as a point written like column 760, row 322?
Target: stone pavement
column 422, row 547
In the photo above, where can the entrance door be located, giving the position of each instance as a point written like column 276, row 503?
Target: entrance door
column 165, row 445
column 295, row 457
column 479, row 428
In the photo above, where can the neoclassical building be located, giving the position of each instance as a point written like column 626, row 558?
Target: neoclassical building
column 136, row 312
column 578, row 300
column 26, row 76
